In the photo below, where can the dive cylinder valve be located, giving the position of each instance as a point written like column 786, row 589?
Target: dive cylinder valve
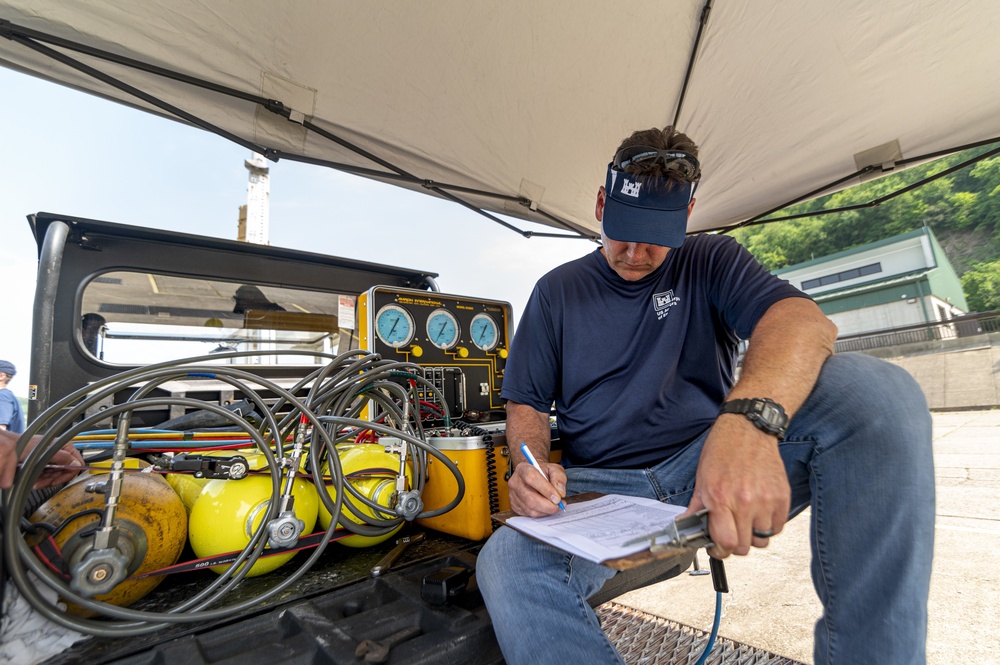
column 99, row 572
column 100, row 568
column 285, row 529
column 409, row 504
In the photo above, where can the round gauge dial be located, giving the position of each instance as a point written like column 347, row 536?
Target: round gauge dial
column 442, row 329
column 394, row 326
column 484, row 332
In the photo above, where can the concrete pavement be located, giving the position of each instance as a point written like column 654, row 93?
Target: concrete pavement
column 772, row 603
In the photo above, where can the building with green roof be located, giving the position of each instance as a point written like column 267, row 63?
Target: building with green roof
column 899, row 281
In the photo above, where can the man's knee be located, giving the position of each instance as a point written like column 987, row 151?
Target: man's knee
column 868, row 384
column 489, row 563
column 865, row 399
column 504, row 552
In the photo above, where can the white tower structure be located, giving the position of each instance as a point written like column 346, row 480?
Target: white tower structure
column 253, row 227
column 258, row 201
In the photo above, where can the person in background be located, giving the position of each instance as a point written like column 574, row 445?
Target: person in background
column 11, row 418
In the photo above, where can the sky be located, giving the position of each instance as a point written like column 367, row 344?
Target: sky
column 71, row 153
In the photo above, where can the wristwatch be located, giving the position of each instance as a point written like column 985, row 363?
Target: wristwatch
column 765, row 413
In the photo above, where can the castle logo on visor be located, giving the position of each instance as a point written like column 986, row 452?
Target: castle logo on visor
column 662, row 302
column 630, row 188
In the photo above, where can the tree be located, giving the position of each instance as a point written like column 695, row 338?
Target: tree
column 982, row 286
column 963, row 209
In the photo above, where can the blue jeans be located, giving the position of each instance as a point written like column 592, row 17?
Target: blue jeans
column 858, row 451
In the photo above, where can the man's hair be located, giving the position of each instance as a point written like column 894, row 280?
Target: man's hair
column 667, row 138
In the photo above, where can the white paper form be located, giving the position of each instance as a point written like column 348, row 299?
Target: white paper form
column 597, row 529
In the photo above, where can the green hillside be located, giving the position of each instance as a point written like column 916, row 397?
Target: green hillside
column 962, row 208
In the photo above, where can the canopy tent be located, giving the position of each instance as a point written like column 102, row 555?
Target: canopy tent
column 515, row 106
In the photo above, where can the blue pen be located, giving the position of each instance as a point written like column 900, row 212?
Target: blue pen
column 531, row 460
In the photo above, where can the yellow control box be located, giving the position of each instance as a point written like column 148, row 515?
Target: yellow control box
column 484, row 468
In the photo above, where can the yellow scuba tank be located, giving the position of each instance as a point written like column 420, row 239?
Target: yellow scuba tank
column 226, row 514
column 151, row 528
column 357, row 460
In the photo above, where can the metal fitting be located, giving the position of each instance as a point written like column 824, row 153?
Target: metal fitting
column 409, row 505
column 284, row 530
column 99, row 572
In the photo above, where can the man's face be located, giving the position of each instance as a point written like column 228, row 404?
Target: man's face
column 632, row 260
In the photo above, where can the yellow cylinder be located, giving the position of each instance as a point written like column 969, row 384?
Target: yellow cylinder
column 360, row 460
column 228, row 512
column 152, row 527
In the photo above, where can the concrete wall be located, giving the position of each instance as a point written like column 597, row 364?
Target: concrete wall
column 961, row 373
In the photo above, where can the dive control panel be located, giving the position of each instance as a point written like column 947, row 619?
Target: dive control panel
column 459, row 342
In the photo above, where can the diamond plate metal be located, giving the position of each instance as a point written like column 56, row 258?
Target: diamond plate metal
column 645, row 639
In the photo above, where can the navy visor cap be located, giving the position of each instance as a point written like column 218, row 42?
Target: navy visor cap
column 643, row 209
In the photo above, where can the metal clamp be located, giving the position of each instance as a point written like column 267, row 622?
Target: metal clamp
column 685, row 533
column 225, row 468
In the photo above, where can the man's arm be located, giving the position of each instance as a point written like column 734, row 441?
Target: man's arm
column 67, row 456
column 530, row 493
column 741, row 478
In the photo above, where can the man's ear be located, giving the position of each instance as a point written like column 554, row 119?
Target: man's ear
column 691, row 207
column 599, row 209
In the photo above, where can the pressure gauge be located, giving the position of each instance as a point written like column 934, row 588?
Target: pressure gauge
column 442, row 329
column 484, row 331
column 394, row 326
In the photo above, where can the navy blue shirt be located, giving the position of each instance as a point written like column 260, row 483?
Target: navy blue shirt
column 10, row 412
column 637, row 370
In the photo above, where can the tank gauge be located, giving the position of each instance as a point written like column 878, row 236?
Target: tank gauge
column 442, row 329
column 394, row 326
column 484, row 332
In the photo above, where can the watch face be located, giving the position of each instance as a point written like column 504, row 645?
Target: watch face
column 771, row 414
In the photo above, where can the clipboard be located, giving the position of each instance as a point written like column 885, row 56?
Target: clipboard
column 641, row 558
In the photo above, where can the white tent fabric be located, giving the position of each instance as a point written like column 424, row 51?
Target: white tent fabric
column 528, row 98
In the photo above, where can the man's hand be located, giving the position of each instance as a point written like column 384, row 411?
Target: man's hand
column 530, row 493
column 742, row 482
column 534, row 496
column 741, row 478
column 67, row 456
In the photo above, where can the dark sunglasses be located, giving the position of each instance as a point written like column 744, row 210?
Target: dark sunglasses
column 685, row 164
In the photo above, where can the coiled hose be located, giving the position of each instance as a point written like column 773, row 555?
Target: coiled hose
column 335, row 394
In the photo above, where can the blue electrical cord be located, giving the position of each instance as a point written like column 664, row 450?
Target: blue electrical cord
column 715, row 629
column 163, row 443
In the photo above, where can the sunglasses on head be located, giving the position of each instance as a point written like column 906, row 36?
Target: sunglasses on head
column 685, row 164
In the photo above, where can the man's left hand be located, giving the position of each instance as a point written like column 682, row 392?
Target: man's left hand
column 742, row 482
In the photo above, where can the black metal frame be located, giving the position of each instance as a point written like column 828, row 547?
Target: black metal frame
column 74, row 250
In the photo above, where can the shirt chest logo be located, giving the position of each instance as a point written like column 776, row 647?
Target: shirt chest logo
column 662, row 302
